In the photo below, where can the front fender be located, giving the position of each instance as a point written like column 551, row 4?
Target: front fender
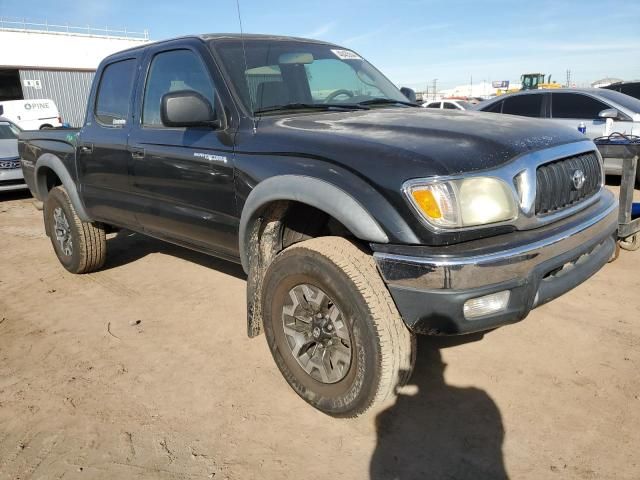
column 314, row 192
column 53, row 163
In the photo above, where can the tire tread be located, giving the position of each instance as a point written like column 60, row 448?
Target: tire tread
column 397, row 343
column 92, row 236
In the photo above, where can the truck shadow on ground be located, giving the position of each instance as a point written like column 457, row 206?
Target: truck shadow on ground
column 438, row 431
column 126, row 246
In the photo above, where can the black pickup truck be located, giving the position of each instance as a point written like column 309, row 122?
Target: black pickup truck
column 359, row 218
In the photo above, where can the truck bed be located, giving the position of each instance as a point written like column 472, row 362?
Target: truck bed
column 32, row 144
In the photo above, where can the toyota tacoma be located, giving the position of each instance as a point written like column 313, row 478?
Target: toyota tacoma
column 359, row 218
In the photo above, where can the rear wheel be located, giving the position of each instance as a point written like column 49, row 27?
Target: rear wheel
column 332, row 327
column 80, row 246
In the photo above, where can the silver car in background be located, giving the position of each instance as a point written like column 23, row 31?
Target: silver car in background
column 10, row 170
column 572, row 106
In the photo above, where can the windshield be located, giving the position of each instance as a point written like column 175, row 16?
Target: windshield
column 621, row 99
column 288, row 72
column 8, row 131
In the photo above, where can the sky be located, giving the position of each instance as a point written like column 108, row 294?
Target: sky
column 411, row 41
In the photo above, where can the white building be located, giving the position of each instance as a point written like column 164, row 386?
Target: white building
column 56, row 62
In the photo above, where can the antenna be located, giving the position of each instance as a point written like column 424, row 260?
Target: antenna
column 246, row 68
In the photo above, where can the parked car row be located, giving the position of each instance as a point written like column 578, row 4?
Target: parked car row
column 591, row 107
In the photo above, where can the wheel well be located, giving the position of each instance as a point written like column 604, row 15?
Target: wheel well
column 297, row 221
column 47, row 179
column 276, row 226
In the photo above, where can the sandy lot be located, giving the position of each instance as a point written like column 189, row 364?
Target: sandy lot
column 143, row 370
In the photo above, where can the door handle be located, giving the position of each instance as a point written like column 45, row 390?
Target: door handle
column 137, row 154
column 87, row 148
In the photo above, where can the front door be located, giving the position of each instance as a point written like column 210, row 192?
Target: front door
column 183, row 177
column 571, row 109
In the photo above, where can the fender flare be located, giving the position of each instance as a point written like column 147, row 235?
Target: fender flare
column 316, row 193
column 55, row 164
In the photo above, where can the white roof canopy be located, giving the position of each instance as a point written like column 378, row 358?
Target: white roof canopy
column 30, row 49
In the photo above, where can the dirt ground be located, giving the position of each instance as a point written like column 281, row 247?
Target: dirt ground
column 143, row 370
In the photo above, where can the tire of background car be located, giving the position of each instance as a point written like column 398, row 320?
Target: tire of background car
column 80, row 246
column 333, row 328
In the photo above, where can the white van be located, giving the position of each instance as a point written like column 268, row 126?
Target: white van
column 31, row 114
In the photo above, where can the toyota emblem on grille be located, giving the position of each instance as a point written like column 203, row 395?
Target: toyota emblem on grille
column 578, row 179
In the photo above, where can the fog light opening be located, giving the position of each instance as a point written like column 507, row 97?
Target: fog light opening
column 486, row 305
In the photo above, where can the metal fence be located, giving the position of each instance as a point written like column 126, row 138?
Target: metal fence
column 12, row 24
column 68, row 89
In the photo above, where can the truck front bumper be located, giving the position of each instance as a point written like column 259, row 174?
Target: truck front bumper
column 430, row 285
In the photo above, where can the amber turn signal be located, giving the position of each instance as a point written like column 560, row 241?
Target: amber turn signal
column 427, row 203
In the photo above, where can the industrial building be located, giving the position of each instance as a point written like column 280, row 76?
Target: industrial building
column 40, row 60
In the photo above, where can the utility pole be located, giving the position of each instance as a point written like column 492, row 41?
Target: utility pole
column 435, row 88
column 471, row 88
column 568, row 78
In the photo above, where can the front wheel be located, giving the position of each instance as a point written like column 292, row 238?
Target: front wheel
column 81, row 247
column 332, row 327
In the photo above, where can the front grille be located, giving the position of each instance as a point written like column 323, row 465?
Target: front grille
column 555, row 186
column 8, row 164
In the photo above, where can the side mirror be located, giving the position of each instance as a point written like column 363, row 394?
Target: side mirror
column 608, row 113
column 187, row 108
column 409, row 93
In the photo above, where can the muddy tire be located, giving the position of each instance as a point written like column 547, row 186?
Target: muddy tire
column 332, row 327
column 81, row 247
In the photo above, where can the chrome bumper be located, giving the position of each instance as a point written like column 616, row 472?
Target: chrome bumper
column 435, row 284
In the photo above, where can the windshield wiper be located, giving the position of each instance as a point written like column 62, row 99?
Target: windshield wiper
column 387, row 101
column 311, row 106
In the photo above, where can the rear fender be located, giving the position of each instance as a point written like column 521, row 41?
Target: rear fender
column 55, row 164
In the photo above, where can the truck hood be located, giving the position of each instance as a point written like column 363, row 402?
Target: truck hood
column 413, row 142
column 8, row 149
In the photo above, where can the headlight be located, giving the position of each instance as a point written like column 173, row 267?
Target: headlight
column 464, row 202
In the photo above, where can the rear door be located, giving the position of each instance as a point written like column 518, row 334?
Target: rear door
column 528, row 105
column 183, row 177
column 103, row 157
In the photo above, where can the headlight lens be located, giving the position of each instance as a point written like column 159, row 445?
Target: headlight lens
column 465, row 202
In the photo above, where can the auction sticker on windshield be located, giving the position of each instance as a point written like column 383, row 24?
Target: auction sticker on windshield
column 346, row 54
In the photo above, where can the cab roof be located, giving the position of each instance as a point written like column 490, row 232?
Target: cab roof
column 206, row 37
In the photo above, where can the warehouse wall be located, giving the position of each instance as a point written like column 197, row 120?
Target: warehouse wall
column 68, row 89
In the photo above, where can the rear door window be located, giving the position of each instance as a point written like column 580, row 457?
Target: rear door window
column 575, row 105
column 495, row 108
column 450, row 106
column 434, row 105
column 113, row 101
column 524, row 105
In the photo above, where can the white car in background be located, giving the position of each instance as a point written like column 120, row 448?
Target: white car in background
column 31, row 114
column 448, row 104
column 592, row 107
column 10, row 169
